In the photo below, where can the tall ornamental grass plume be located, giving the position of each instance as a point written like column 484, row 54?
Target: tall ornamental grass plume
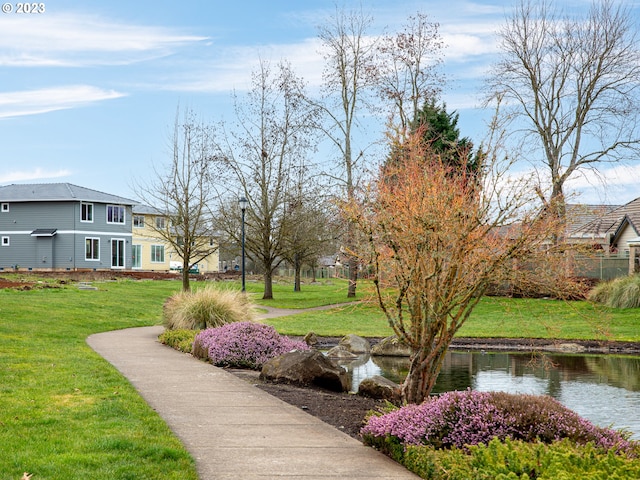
column 623, row 292
column 243, row 345
column 459, row 419
column 205, row 308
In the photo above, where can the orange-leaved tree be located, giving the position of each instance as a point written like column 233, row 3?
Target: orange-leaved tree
column 439, row 237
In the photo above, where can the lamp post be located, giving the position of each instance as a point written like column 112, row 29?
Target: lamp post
column 243, row 202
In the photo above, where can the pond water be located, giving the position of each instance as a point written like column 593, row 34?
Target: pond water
column 601, row 388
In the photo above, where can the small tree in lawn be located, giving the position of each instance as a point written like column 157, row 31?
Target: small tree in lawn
column 439, row 237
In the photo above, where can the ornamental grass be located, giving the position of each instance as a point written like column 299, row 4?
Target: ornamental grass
column 623, row 292
column 206, row 308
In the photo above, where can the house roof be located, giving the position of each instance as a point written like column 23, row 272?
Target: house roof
column 57, row 192
column 609, row 222
column 146, row 210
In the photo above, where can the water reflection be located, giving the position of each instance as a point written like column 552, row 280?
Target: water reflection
column 604, row 389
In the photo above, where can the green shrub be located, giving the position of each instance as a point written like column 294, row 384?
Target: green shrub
column 622, row 292
column 179, row 339
column 515, row 459
column 206, row 308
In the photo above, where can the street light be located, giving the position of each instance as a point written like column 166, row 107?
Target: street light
column 243, row 202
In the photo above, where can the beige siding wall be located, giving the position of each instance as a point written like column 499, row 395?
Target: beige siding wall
column 623, row 240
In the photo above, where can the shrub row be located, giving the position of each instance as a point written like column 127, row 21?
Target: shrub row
column 516, row 459
column 243, row 345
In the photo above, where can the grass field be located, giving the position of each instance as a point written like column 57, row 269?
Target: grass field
column 66, row 413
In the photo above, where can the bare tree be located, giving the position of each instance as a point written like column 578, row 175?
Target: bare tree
column 349, row 55
column 406, row 69
column 184, row 192
column 573, row 87
column 312, row 230
column 267, row 145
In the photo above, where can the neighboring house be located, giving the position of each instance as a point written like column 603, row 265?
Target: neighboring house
column 60, row 226
column 153, row 252
column 149, row 251
column 613, row 229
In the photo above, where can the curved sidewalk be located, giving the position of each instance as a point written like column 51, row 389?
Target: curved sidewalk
column 233, row 429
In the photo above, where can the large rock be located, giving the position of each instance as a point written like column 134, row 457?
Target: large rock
column 341, row 353
column 380, row 387
column 306, row 368
column 355, row 344
column 391, row 347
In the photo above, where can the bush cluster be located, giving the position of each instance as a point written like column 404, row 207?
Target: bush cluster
column 243, row 345
column 459, row 419
column 623, row 292
column 516, row 459
column 181, row 340
column 204, row 308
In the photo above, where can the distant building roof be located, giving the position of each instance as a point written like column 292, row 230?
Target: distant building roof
column 146, row 210
column 609, row 221
column 57, row 192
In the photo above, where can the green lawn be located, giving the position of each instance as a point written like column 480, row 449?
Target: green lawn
column 66, row 413
column 493, row 317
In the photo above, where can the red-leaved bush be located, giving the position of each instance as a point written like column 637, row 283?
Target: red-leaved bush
column 470, row 418
column 243, row 344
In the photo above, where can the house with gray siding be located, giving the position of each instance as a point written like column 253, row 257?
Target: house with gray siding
column 61, row 226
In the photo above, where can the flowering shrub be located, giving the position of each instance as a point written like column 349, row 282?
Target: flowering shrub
column 458, row 419
column 243, row 344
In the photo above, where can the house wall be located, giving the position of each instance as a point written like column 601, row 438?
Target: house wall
column 625, row 237
column 66, row 249
column 146, row 237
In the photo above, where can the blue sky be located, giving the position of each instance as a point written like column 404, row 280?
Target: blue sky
column 89, row 90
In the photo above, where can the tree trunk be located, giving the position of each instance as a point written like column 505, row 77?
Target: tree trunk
column 186, row 286
column 353, row 276
column 268, row 285
column 423, row 373
column 297, row 266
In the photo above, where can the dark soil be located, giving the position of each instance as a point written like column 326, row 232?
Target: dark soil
column 344, row 411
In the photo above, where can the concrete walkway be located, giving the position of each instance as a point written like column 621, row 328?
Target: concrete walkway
column 234, row 430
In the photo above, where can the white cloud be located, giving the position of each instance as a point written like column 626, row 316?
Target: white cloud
column 32, row 102
column 79, row 40
column 35, row 174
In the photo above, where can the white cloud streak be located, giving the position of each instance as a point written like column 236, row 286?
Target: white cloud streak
column 31, row 175
column 32, row 102
column 74, row 40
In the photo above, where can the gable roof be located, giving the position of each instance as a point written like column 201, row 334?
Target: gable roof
column 610, row 222
column 57, row 192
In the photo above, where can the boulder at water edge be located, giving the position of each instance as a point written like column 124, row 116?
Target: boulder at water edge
column 391, row 347
column 306, row 368
column 355, row 344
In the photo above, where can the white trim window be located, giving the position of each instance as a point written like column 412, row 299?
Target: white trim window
column 115, row 214
column 4, row 208
column 160, row 223
column 138, row 221
column 86, row 212
column 92, row 249
column 157, row 253
column 6, row 241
